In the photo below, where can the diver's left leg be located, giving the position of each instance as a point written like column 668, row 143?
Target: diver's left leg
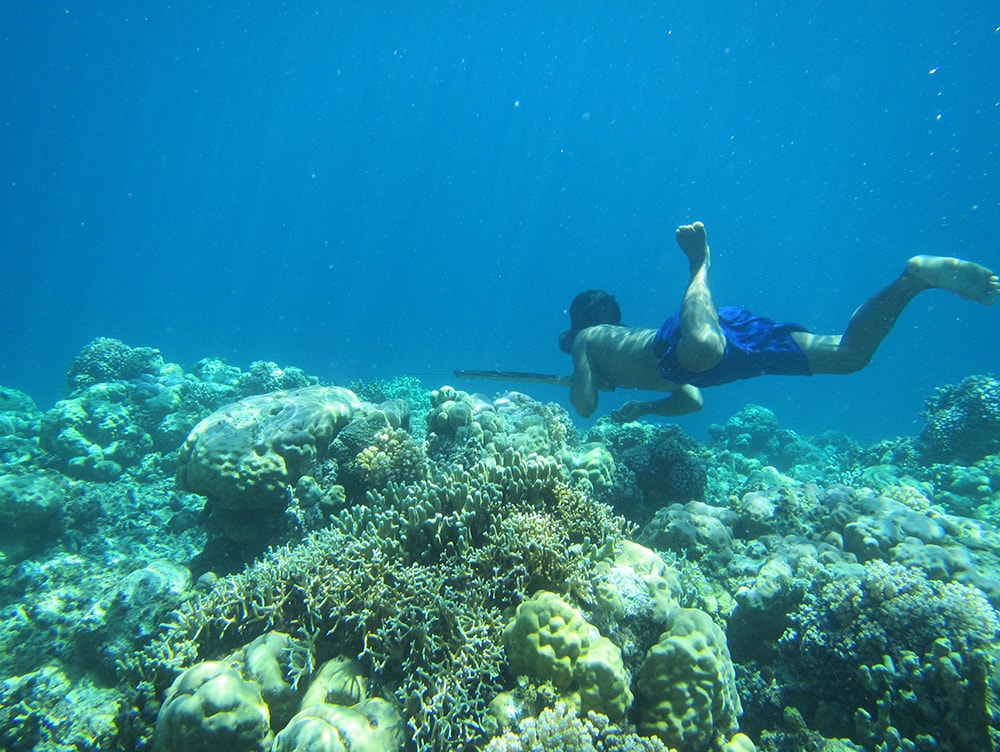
column 873, row 321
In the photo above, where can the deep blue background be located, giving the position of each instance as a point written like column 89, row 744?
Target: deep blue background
column 423, row 186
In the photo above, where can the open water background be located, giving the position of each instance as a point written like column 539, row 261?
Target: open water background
column 379, row 189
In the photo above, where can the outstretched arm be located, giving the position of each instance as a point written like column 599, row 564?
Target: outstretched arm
column 683, row 400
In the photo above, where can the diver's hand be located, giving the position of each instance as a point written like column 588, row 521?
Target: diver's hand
column 631, row 410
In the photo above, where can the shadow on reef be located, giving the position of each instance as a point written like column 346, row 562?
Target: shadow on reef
column 253, row 560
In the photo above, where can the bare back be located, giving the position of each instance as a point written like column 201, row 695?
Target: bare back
column 614, row 356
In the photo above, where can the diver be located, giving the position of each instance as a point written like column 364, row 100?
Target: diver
column 703, row 345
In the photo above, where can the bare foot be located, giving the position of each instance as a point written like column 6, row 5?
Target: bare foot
column 964, row 278
column 694, row 242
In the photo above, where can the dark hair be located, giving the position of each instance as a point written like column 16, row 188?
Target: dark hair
column 589, row 308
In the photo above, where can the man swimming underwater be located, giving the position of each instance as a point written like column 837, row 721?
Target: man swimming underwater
column 702, row 345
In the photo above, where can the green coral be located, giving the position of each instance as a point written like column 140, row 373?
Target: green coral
column 211, row 707
column 372, row 725
column 551, row 641
column 687, row 684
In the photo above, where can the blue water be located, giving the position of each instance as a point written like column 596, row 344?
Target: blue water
column 376, row 189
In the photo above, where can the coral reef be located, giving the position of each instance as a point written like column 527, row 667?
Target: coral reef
column 963, row 422
column 443, row 570
column 687, row 684
column 107, row 360
column 926, row 652
column 244, row 456
column 655, row 465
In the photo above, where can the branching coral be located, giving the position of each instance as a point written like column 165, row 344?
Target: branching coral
column 895, row 655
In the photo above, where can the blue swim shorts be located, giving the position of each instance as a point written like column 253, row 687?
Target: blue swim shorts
column 755, row 346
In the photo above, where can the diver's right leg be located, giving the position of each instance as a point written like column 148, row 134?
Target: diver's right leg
column 702, row 343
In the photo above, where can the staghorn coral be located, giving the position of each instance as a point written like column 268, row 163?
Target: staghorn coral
column 413, row 583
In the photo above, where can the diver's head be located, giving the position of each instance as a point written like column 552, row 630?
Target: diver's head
column 589, row 308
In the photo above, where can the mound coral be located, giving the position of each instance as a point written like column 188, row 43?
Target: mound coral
column 211, row 707
column 95, row 434
column 687, row 684
column 245, row 456
column 369, row 726
column 551, row 641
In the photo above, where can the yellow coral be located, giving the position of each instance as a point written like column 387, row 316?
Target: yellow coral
column 688, row 684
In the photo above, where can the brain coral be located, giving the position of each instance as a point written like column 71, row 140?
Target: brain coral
column 244, row 456
column 211, row 707
column 687, row 684
column 550, row 640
